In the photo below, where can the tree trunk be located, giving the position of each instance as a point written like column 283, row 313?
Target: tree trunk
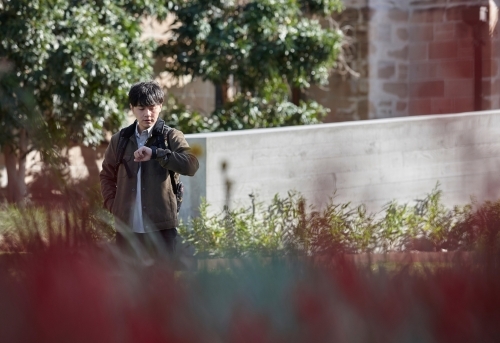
column 15, row 163
column 221, row 94
column 89, row 159
column 296, row 95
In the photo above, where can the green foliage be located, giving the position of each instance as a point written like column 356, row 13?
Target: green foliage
column 482, row 226
column 260, row 41
column 266, row 47
column 76, row 60
column 243, row 113
column 243, row 231
column 178, row 116
column 248, row 113
column 287, row 225
column 321, row 7
column 65, row 70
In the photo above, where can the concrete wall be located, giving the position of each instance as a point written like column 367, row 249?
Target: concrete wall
column 370, row 162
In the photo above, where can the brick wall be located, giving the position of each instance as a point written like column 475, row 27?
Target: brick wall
column 491, row 75
column 441, row 62
column 345, row 96
column 431, row 50
column 415, row 57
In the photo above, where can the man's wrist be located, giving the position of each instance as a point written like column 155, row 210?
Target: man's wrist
column 153, row 153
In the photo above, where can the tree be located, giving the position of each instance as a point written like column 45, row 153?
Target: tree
column 271, row 49
column 66, row 69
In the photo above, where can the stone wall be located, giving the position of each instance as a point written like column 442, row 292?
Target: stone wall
column 347, row 96
column 414, row 57
column 422, row 59
column 197, row 95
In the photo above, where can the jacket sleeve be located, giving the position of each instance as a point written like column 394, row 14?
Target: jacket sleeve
column 178, row 157
column 107, row 175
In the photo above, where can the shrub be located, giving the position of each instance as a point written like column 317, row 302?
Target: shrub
column 285, row 226
column 243, row 113
column 177, row 115
column 288, row 225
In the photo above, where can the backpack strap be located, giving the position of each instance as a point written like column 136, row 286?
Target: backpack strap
column 160, row 131
column 171, row 172
column 125, row 135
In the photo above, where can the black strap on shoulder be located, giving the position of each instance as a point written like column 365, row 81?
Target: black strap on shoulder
column 171, row 172
column 125, row 134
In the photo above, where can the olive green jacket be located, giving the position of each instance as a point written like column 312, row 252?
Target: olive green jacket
column 158, row 200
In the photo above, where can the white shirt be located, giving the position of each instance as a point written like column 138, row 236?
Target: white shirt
column 137, row 218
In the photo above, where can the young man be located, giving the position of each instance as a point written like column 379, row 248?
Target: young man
column 137, row 190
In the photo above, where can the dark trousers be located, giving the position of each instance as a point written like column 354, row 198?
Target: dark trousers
column 156, row 242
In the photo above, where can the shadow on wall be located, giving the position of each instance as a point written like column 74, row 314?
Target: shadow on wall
column 403, row 161
column 80, row 173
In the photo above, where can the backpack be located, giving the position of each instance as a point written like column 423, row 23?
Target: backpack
column 126, row 133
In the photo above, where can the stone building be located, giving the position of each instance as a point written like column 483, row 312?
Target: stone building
column 413, row 57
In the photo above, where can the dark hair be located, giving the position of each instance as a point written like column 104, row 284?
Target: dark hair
column 147, row 93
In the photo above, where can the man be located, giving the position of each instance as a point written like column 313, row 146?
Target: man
column 138, row 190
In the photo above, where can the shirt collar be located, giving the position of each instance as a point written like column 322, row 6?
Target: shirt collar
column 137, row 134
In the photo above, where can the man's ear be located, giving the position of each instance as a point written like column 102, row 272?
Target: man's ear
column 130, row 106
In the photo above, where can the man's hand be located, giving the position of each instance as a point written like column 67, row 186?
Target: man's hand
column 142, row 154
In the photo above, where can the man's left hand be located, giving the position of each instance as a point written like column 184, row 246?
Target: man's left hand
column 142, row 154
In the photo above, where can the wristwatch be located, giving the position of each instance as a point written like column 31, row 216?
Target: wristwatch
column 153, row 152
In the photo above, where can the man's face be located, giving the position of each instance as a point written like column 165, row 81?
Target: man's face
column 146, row 115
